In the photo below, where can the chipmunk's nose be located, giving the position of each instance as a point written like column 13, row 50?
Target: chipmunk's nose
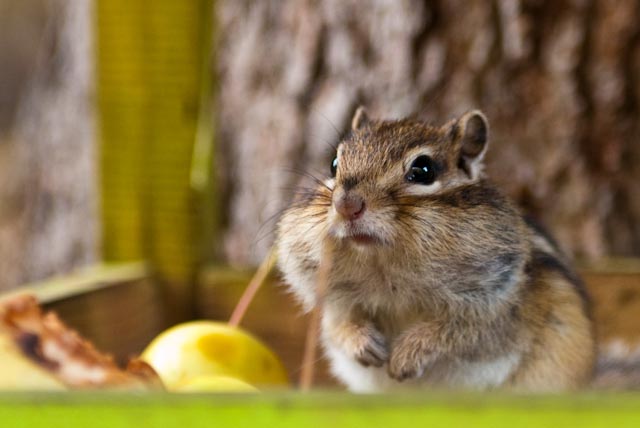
column 350, row 206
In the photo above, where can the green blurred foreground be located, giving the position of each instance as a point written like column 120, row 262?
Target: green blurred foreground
column 318, row 410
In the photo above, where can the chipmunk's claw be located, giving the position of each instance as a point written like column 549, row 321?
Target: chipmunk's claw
column 373, row 349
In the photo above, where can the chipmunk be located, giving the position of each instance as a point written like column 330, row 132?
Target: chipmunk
column 437, row 279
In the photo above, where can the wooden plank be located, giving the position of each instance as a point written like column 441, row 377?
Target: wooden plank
column 83, row 281
column 616, row 304
column 335, row 410
column 120, row 308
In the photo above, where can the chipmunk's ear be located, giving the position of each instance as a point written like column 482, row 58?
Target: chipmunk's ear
column 360, row 119
column 471, row 132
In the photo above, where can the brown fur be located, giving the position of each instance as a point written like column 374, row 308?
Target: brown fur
column 456, row 282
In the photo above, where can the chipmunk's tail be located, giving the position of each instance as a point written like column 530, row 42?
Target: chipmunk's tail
column 618, row 367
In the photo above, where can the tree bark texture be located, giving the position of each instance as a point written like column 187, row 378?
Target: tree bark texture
column 47, row 181
column 559, row 82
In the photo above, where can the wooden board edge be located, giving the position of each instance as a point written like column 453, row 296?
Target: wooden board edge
column 84, row 280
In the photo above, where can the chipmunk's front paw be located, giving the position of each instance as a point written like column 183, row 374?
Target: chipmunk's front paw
column 368, row 346
column 404, row 364
column 409, row 356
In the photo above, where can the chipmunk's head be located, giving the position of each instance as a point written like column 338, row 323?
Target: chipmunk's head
column 408, row 197
column 386, row 170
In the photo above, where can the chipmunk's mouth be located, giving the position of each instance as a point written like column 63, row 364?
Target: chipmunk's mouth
column 357, row 232
column 352, row 234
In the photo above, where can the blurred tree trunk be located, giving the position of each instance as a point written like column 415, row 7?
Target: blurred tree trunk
column 47, row 185
column 559, row 81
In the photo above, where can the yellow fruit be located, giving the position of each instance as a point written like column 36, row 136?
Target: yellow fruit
column 206, row 348
column 216, row 384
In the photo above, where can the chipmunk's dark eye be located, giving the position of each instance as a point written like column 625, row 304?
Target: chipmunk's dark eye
column 334, row 166
column 422, row 171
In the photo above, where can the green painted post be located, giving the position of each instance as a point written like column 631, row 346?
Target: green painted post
column 153, row 93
